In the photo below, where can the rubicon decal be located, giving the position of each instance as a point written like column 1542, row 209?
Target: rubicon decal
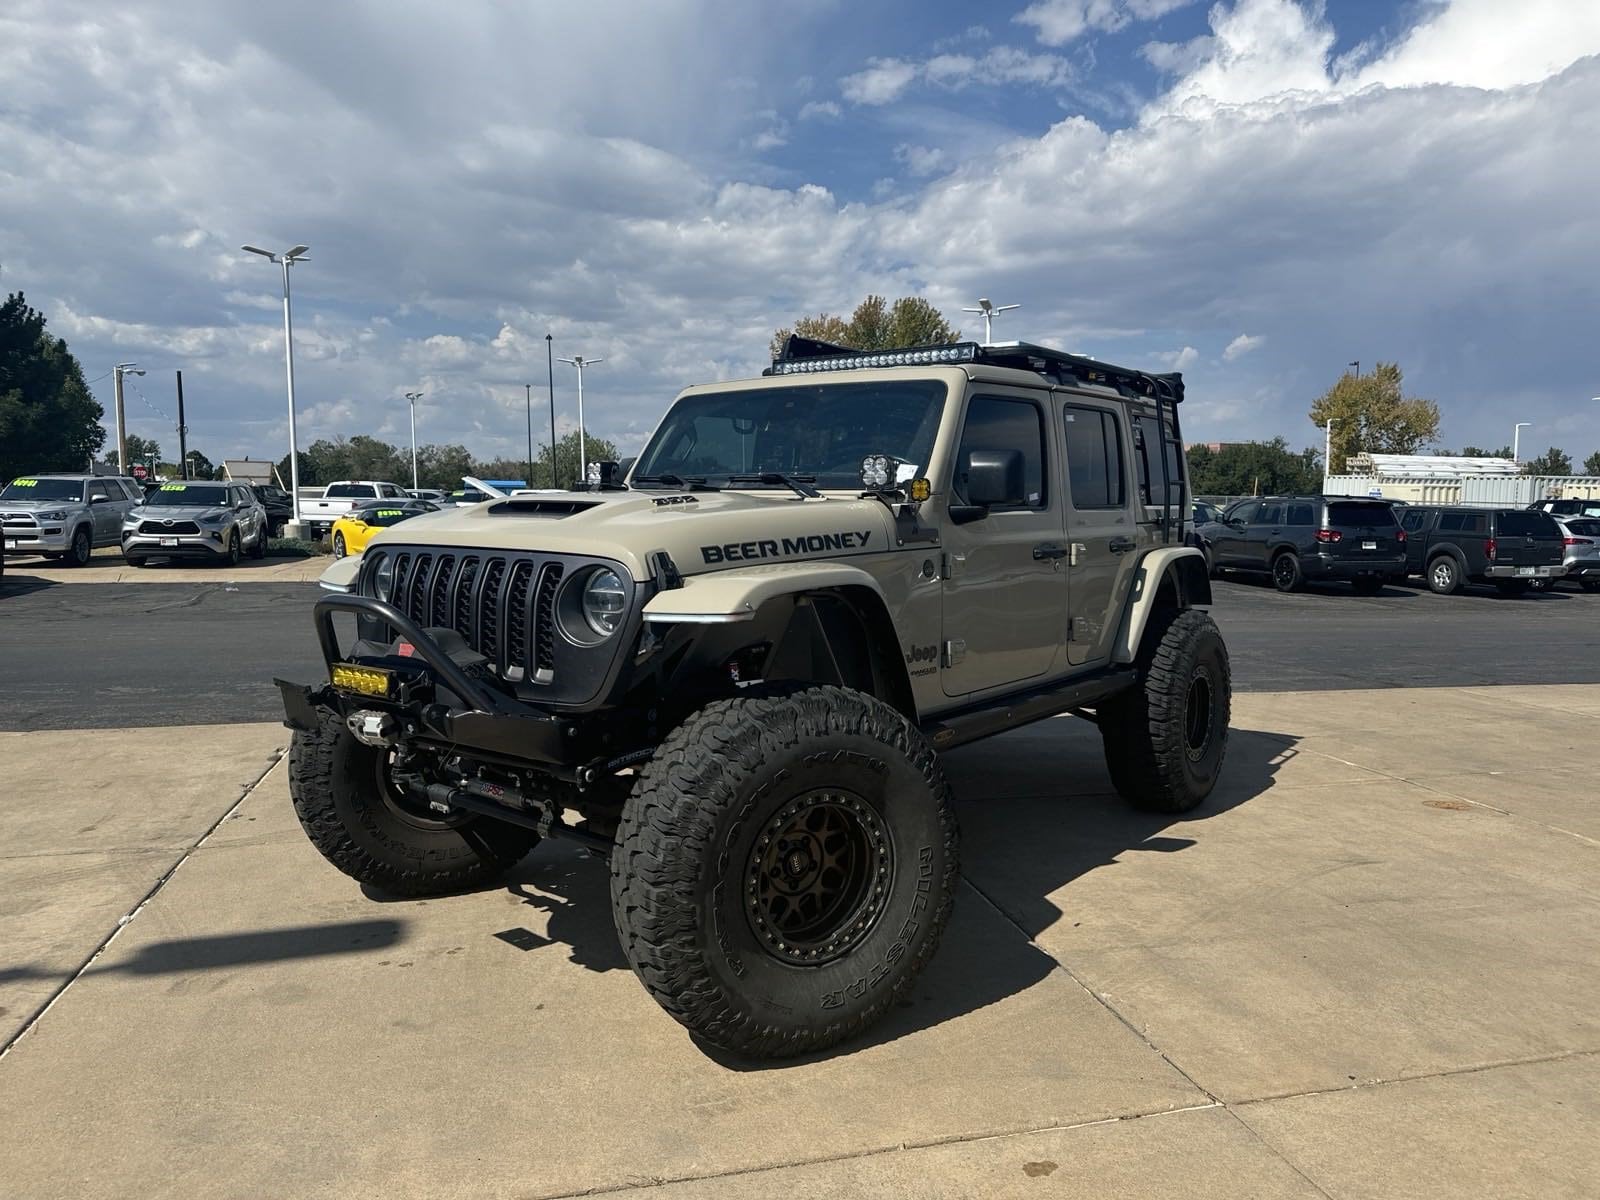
column 814, row 543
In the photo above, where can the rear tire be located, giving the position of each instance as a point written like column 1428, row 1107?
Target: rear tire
column 784, row 868
column 1165, row 739
column 1286, row 573
column 1444, row 576
column 355, row 819
column 338, row 545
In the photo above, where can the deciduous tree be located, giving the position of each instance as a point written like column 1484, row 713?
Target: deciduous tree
column 1591, row 465
column 875, row 325
column 1554, row 461
column 1254, row 468
column 1371, row 414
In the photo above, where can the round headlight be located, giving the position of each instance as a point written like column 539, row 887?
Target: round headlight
column 384, row 580
column 605, row 601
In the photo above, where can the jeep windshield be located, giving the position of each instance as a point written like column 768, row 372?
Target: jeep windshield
column 818, row 433
column 182, row 495
column 43, row 489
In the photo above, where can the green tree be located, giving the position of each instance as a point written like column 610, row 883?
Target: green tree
column 1591, row 465
column 1553, row 461
column 443, row 466
column 1479, row 452
column 567, row 469
column 142, row 450
column 201, row 467
column 1371, row 414
column 48, row 419
column 875, row 325
column 1254, row 468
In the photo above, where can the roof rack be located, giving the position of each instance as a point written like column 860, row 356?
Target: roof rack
column 803, row 356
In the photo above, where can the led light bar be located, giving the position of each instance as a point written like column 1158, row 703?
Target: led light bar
column 917, row 356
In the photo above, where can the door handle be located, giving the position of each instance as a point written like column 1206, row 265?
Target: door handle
column 1048, row 550
column 1120, row 545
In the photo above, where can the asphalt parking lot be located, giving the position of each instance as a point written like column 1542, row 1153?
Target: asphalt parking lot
column 1365, row 968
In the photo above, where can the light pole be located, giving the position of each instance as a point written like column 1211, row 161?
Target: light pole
column 1357, row 366
column 292, row 255
column 550, row 370
column 989, row 312
column 414, row 397
column 527, row 396
column 579, row 361
column 1516, row 439
column 118, row 372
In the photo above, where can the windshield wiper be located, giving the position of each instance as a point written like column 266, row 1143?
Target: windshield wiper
column 695, row 483
column 799, row 484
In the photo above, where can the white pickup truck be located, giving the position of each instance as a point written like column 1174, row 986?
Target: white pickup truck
column 339, row 497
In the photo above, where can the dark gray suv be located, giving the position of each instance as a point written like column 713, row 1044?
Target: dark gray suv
column 1296, row 539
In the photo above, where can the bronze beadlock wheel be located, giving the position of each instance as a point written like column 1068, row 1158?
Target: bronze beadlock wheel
column 818, row 876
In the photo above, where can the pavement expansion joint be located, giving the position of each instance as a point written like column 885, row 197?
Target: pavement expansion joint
column 128, row 917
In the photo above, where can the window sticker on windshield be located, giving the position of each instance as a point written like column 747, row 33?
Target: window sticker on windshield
column 24, row 483
column 390, row 512
column 173, row 487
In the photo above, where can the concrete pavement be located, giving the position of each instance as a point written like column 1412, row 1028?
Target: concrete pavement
column 1366, row 968
column 106, row 565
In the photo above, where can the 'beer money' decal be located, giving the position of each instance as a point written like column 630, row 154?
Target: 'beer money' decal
column 814, row 543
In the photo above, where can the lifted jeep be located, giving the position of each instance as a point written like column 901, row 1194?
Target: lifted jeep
column 735, row 667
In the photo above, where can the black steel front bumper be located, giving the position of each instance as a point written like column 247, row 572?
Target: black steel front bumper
column 437, row 699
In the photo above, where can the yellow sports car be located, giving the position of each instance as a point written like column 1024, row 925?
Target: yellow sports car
column 356, row 528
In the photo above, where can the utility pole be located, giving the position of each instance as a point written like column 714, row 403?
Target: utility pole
column 527, row 400
column 1327, row 455
column 550, row 367
column 289, row 257
column 579, row 361
column 183, row 433
column 117, row 372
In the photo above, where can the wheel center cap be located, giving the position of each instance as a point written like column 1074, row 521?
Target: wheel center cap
column 797, row 863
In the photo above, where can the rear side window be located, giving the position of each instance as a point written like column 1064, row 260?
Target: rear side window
column 1299, row 514
column 1147, row 460
column 1525, row 524
column 1413, row 520
column 1360, row 514
column 998, row 424
column 1094, row 458
column 1454, row 522
column 1584, row 528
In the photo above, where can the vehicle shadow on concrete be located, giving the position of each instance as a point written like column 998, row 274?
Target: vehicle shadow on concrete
column 12, row 583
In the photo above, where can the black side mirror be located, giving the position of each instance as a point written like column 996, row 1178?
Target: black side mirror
column 993, row 477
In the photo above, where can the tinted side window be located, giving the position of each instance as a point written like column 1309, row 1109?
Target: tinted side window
column 1454, row 522
column 97, row 488
column 997, row 424
column 1271, row 514
column 1245, row 512
column 1094, row 457
column 1147, row 460
column 1526, row 524
column 1361, row 513
column 1300, row 514
column 1413, row 520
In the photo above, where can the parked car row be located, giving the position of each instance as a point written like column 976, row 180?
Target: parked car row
column 1369, row 542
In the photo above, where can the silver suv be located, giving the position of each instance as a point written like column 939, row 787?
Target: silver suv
column 215, row 522
column 65, row 516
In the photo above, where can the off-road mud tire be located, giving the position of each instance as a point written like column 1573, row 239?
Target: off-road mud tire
column 333, row 781
column 682, row 897
column 1152, row 753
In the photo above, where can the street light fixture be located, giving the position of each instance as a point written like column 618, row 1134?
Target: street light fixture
column 1516, row 439
column 118, row 372
column 414, row 397
column 989, row 312
column 292, row 255
column 579, row 361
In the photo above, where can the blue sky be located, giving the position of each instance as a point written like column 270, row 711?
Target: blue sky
column 1254, row 191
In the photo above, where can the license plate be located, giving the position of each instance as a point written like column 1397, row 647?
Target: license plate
column 364, row 681
column 169, row 541
column 11, row 543
column 1531, row 570
column 1369, row 545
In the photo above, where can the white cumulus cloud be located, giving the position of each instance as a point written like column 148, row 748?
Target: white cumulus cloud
column 1240, row 346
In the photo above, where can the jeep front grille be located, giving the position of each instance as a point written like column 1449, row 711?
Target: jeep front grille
column 502, row 605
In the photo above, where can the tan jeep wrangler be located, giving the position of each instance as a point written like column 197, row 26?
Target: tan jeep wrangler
column 735, row 668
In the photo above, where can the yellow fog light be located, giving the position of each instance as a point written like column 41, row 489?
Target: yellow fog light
column 919, row 490
column 364, row 681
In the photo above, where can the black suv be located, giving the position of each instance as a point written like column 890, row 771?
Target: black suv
column 1512, row 548
column 1300, row 538
column 279, row 506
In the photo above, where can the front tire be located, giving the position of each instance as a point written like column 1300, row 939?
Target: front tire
column 1286, row 573
column 359, row 821
column 258, row 548
column 234, row 553
column 82, row 549
column 338, row 546
column 1166, row 738
column 784, row 868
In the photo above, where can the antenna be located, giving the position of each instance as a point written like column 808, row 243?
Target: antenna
column 989, row 312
